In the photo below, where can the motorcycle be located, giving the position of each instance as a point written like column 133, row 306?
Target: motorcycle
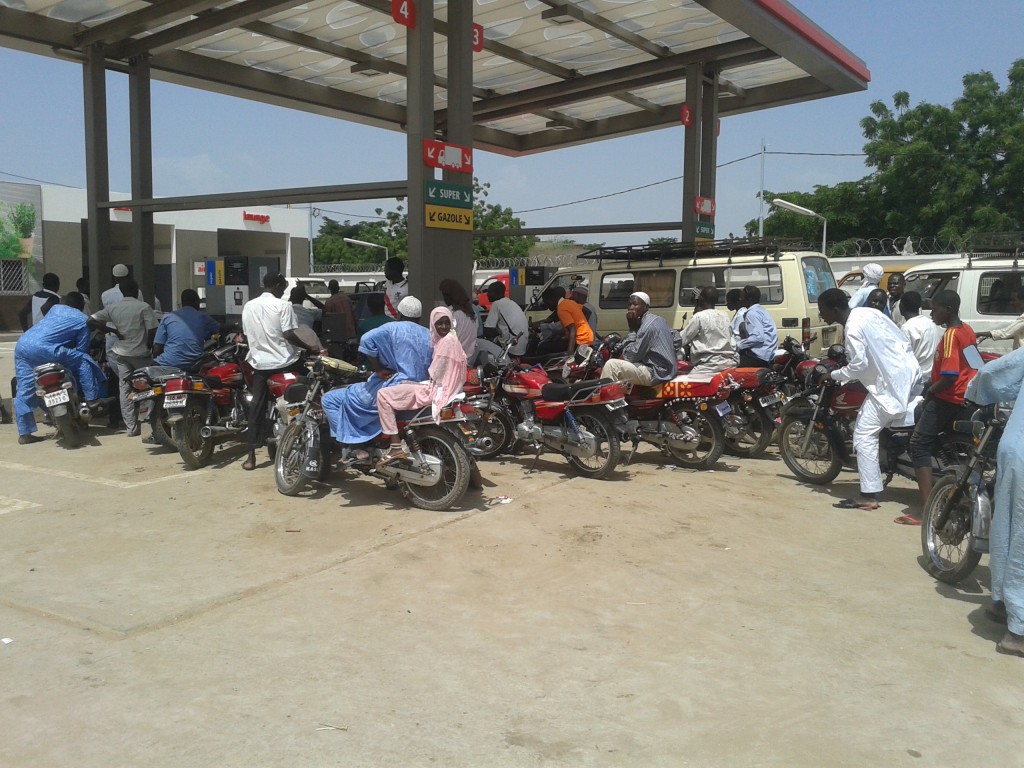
column 755, row 398
column 434, row 476
column 816, row 439
column 958, row 515
column 214, row 403
column 147, row 385
column 683, row 417
column 60, row 394
column 580, row 420
column 789, row 367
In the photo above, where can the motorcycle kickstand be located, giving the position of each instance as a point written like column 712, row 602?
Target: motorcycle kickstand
column 888, row 479
column 536, row 458
column 632, row 453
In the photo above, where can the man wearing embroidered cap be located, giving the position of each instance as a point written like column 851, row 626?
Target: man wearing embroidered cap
column 649, row 356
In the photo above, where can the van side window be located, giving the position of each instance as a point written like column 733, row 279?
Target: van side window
column 566, row 282
column 996, row 291
column 659, row 284
column 930, row 283
column 767, row 277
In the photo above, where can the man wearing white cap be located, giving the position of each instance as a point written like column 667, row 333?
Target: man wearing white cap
column 396, row 352
column 649, row 356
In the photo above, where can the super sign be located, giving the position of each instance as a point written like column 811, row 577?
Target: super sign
column 450, row 157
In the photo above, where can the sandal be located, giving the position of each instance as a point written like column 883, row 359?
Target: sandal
column 906, row 520
column 867, row 506
column 392, row 456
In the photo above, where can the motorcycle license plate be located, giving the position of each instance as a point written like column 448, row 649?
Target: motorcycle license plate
column 56, row 398
column 770, row 400
column 174, row 401
column 723, row 409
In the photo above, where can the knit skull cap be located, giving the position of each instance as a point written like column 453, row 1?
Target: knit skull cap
column 120, row 270
column 642, row 296
column 410, row 306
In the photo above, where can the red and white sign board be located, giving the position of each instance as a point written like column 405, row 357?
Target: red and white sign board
column 704, row 206
column 199, row 268
column 686, row 116
column 449, row 157
column 478, row 38
column 404, row 12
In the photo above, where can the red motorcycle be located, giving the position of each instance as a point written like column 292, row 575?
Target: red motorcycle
column 755, row 399
column 214, row 403
column 581, row 420
column 683, row 417
column 816, row 439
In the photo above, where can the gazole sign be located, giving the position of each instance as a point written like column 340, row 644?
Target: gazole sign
column 443, row 217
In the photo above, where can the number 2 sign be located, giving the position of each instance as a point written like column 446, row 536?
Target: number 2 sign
column 404, row 12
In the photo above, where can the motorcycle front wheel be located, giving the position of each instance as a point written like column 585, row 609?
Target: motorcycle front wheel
column 455, row 470
column 820, row 463
column 195, row 450
column 288, row 461
column 755, row 437
column 710, row 443
column 608, row 448
column 948, row 554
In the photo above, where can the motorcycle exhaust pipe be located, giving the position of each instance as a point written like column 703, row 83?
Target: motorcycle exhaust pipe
column 207, row 432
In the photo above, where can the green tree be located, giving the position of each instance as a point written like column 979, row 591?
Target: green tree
column 946, row 171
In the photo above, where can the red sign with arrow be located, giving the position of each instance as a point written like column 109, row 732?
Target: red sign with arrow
column 449, row 157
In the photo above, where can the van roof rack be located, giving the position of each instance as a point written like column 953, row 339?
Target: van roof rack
column 1002, row 254
column 768, row 248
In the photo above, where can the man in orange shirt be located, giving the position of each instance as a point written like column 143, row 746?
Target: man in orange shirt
column 570, row 315
column 945, row 397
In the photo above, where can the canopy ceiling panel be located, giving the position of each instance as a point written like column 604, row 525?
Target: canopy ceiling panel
column 553, row 73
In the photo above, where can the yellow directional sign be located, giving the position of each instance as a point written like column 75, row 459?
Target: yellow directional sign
column 443, row 217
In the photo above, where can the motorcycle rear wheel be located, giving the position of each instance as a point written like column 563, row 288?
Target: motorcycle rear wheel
column 948, row 554
column 288, row 462
column 496, row 424
column 820, row 465
column 710, row 438
column 195, row 450
column 69, row 429
column 162, row 432
column 609, row 449
column 755, row 438
column 455, row 470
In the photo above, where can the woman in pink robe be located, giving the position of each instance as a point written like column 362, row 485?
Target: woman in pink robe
column 447, row 378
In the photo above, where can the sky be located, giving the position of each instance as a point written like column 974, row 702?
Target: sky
column 207, row 143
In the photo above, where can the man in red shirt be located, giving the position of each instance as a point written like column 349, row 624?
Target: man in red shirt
column 945, row 397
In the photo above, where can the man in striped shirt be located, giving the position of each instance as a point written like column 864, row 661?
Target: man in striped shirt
column 649, row 356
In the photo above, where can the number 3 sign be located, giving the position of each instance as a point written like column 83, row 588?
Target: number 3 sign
column 403, row 12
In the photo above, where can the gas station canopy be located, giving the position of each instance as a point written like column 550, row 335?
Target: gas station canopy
column 550, row 73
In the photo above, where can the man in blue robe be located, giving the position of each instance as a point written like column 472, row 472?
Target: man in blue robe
column 62, row 336
column 396, row 352
column 1002, row 381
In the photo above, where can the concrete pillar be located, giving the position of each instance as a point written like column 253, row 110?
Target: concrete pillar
column 141, row 129
column 423, row 278
column 692, row 147
column 97, row 171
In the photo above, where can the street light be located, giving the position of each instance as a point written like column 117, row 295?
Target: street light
column 353, row 241
column 780, row 203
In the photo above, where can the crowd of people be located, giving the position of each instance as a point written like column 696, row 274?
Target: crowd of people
column 917, row 370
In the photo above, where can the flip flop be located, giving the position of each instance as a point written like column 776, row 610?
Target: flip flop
column 854, row 504
column 906, row 520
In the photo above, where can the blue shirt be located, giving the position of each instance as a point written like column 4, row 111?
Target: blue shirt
column 183, row 333
column 762, row 339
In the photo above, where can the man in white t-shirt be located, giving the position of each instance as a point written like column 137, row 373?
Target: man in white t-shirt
column 269, row 324
column 923, row 335
column 505, row 320
column 396, row 287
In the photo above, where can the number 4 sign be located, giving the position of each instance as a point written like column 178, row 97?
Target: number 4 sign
column 404, row 12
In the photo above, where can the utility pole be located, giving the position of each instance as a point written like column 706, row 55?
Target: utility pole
column 760, row 194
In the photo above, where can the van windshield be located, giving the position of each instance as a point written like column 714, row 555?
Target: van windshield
column 818, row 276
column 930, row 283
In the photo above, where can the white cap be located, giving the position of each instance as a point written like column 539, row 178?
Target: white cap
column 120, row 270
column 410, row 306
column 642, row 296
column 873, row 272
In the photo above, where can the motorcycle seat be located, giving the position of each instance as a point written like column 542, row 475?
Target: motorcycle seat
column 47, row 368
column 159, row 373
column 558, row 391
